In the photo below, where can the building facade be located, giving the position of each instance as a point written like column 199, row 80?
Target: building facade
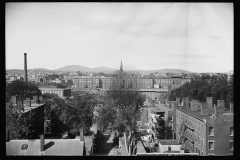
column 204, row 129
column 135, row 83
column 59, row 91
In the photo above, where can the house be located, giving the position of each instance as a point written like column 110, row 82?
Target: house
column 59, row 91
column 170, row 146
column 205, row 129
column 46, row 147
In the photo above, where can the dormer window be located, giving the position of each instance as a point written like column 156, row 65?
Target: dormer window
column 24, row 147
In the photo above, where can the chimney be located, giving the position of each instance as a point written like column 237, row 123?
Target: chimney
column 13, row 99
column 221, row 103
column 199, row 106
column 35, row 99
column 42, row 142
column 231, row 107
column 178, row 101
column 219, row 109
column 28, row 102
column 81, row 135
column 204, row 108
column 25, row 67
column 210, row 101
column 40, row 99
column 194, row 105
column 20, row 103
column 186, row 101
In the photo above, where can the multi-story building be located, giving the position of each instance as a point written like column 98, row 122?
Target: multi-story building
column 137, row 83
column 204, row 129
column 59, row 91
column 154, row 113
column 148, row 86
column 170, row 120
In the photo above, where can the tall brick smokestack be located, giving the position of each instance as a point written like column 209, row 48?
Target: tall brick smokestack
column 25, row 67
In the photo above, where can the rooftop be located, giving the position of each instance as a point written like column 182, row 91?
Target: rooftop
column 197, row 114
column 172, row 151
column 72, row 147
column 33, row 106
column 57, row 89
column 169, row 142
column 155, row 109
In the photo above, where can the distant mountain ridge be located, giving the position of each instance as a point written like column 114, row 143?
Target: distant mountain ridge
column 163, row 71
column 75, row 68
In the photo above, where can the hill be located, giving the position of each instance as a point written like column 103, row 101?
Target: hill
column 40, row 69
column 75, row 68
column 162, row 71
column 173, row 71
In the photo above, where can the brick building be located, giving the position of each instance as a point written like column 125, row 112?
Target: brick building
column 205, row 129
column 150, row 85
column 59, row 91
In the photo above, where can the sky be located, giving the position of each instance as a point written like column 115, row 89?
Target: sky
column 196, row 37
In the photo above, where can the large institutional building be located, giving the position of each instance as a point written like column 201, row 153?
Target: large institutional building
column 151, row 87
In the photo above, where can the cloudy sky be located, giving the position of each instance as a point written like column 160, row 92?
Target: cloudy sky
column 197, row 37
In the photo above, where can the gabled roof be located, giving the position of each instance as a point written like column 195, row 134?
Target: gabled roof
column 62, row 147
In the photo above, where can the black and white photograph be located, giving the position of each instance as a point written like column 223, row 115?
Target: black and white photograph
column 119, row 79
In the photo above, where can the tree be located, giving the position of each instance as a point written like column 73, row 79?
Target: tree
column 73, row 113
column 21, row 89
column 19, row 123
column 106, row 115
column 203, row 86
column 61, row 85
column 78, row 112
column 163, row 128
column 123, row 108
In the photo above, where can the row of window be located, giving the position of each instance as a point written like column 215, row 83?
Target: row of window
column 211, row 144
column 211, row 131
column 164, row 82
column 54, row 92
column 192, row 123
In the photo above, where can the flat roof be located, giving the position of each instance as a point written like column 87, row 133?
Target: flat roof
column 58, row 89
column 169, row 142
column 196, row 114
column 63, row 147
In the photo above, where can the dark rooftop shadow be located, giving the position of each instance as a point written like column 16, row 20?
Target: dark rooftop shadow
column 104, row 148
column 48, row 145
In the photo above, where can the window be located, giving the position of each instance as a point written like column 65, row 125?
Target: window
column 171, row 118
column 211, row 131
column 231, row 131
column 170, row 135
column 211, row 145
column 231, row 145
column 202, row 153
